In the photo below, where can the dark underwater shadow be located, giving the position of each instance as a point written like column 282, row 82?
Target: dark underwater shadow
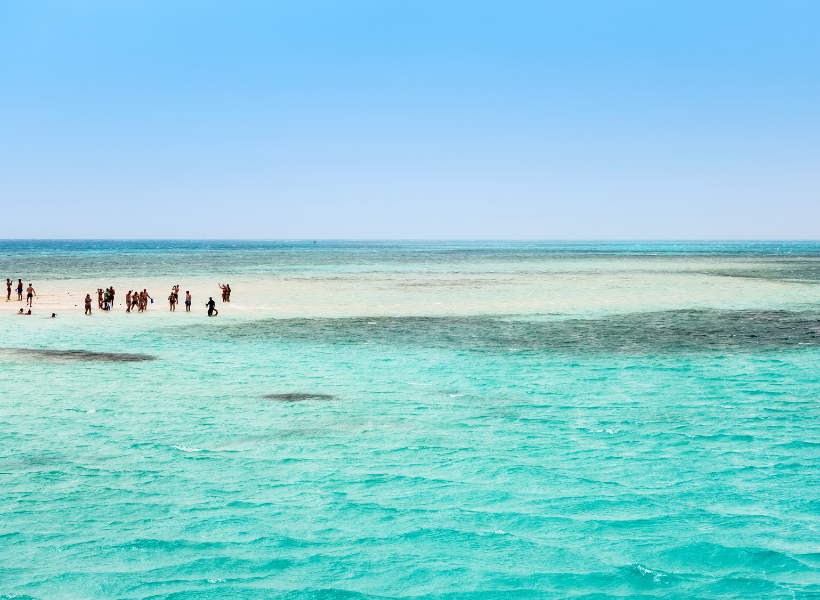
column 296, row 397
column 47, row 355
column 645, row 333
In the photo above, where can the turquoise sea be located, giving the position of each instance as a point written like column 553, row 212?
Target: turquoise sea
column 413, row 420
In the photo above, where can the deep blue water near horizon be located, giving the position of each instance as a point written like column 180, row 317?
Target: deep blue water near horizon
column 649, row 450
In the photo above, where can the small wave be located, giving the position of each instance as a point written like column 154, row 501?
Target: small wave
column 646, row 575
column 187, row 449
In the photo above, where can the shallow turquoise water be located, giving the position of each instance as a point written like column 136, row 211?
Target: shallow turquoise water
column 577, row 452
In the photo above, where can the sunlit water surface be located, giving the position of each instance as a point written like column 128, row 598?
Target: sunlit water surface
column 415, row 420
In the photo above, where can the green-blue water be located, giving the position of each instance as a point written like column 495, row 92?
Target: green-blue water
column 447, row 421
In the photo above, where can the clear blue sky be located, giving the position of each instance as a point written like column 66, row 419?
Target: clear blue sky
column 347, row 119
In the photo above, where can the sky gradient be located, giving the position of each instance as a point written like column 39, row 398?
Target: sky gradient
column 456, row 120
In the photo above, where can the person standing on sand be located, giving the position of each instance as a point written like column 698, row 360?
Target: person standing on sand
column 30, row 293
column 187, row 301
column 111, row 297
column 88, row 304
column 20, row 289
column 100, row 298
column 147, row 297
column 172, row 302
column 8, row 289
column 211, row 306
column 176, row 294
column 128, row 301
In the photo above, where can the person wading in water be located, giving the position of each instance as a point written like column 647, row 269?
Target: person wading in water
column 211, row 306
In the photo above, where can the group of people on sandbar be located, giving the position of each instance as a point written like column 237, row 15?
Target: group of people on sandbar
column 30, row 293
column 136, row 301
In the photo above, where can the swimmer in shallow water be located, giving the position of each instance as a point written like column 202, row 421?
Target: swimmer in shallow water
column 24, row 313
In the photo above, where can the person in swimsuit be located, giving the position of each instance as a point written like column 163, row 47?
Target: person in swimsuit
column 30, row 293
column 88, row 304
column 19, row 289
column 211, row 306
column 187, row 301
column 128, row 301
column 53, row 315
column 224, row 292
column 111, row 297
column 100, row 298
column 176, row 294
column 147, row 298
column 24, row 313
column 8, row 290
column 172, row 302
